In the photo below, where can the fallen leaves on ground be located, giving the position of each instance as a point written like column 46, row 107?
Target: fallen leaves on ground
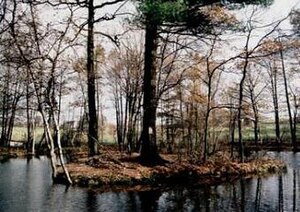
column 115, row 168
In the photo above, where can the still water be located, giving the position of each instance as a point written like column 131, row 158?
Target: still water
column 26, row 186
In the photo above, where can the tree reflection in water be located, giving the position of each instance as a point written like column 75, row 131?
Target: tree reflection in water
column 91, row 201
column 149, row 200
column 280, row 193
column 258, row 194
column 26, row 186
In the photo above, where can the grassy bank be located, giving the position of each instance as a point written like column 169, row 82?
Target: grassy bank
column 7, row 153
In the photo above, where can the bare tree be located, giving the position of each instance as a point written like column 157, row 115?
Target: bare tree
column 249, row 53
column 253, row 93
column 125, row 75
column 272, row 73
column 286, row 89
column 41, row 59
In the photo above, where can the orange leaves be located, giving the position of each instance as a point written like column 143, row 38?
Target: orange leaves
column 274, row 46
column 271, row 46
column 219, row 15
column 113, row 168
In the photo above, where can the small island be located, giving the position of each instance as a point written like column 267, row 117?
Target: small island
column 115, row 170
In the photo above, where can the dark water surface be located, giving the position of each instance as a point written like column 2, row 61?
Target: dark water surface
column 26, row 186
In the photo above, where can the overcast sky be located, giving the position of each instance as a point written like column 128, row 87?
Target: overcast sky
column 278, row 10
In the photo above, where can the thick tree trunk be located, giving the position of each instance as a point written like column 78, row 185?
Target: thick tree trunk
column 149, row 152
column 91, row 77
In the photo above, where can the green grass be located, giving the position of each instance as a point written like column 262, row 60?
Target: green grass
column 20, row 133
column 267, row 132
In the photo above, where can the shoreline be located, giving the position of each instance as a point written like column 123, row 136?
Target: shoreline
column 7, row 153
column 126, row 173
column 113, row 170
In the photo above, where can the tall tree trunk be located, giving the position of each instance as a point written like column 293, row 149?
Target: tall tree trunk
column 167, row 124
column 197, row 130
column 13, row 107
column 122, row 119
column 206, row 132
column 51, row 142
column 60, row 98
column 5, row 109
column 33, row 137
column 60, row 153
column 256, row 118
column 240, row 109
column 149, row 153
column 119, row 116
column 292, row 130
column 11, row 120
column 295, row 115
column 3, row 120
column 208, row 105
column 125, row 121
column 256, row 131
column 182, row 122
column 29, row 143
column 102, row 127
column 273, row 76
column 232, row 125
column 131, row 124
column 91, row 77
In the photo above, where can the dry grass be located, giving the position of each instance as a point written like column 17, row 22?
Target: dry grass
column 114, row 168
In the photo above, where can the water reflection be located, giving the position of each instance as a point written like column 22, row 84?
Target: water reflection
column 91, row 201
column 294, row 190
column 25, row 185
column 258, row 195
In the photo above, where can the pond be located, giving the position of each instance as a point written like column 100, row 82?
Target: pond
column 25, row 185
